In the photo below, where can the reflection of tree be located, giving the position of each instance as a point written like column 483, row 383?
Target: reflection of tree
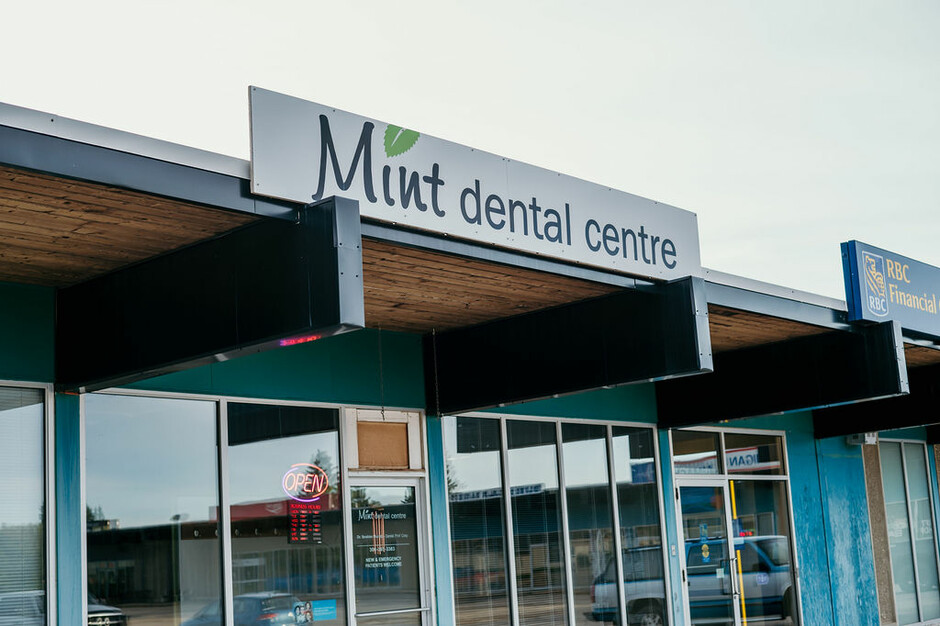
column 94, row 514
column 324, row 461
column 360, row 498
column 453, row 485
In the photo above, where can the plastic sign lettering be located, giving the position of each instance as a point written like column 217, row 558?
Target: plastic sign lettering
column 305, row 482
column 881, row 285
column 303, row 151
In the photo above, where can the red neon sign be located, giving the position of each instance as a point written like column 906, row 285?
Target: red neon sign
column 293, row 341
column 305, row 482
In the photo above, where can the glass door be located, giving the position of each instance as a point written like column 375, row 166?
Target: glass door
column 736, row 541
column 711, row 567
column 388, row 550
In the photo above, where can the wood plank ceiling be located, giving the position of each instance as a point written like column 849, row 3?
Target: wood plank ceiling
column 56, row 232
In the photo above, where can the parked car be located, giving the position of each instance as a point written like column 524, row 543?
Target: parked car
column 100, row 614
column 23, row 608
column 765, row 570
column 267, row 608
column 28, row 608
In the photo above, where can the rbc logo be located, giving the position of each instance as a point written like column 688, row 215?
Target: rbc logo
column 875, row 296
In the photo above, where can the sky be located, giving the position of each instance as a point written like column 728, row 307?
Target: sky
column 787, row 127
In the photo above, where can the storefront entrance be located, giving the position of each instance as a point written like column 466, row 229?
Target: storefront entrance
column 734, row 528
column 388, row 544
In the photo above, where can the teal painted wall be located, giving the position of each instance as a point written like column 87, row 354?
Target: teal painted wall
column 27, row 333
column 68, row 510
column 341, row 369
column 831, row 526
column 437, row 488
column 850, row 559
column 630, row 403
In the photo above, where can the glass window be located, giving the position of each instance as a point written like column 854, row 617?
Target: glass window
column 152, row 516
column 762, row 536
column 385, row 550
column 910, row 531
column 286, row 510
column 590, row 526
column 695, row 452
column 753, row 454
column 536, row 522
column 22, row 516
column 543, row 556
column 475, row 493
column 640, row 531
column 922, row 530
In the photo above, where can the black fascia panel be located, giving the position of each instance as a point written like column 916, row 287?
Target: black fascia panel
column 933, row 434
column 921, row 407
column 63, row 157
column 805, row 373
column 648, row 333
column 265, row 285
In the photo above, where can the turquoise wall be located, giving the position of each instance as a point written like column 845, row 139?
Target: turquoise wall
column 68, row 509
column 342, row 369
column 27, row 333
column 831, row 526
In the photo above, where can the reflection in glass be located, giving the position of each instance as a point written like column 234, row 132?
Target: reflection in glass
column 909, row 517
column 761, row 529
column 695, row 452
column 753, row 454
column 151, row 485
column 22, row 523
column 385, row 549
column 922, row 530
column 707, row 563
column 590, row 526
column 640, row 532
column 899, row 533
column 536, row 522
column 474, row 485
column 284, row 486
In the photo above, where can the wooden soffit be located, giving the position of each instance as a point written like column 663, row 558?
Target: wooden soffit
column 57, row 232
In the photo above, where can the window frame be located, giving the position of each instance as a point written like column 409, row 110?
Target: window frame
column 49, row 494
column 222, row 462
column 931, row 491
column 509, row 541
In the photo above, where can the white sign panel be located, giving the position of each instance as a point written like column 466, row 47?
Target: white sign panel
column 302, row 151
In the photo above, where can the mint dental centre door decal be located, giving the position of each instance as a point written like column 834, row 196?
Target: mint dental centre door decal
column 387, row 555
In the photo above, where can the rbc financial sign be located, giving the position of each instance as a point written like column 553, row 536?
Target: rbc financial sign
column 882, row 285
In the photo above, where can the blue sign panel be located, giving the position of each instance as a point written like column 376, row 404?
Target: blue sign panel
column 882, row 285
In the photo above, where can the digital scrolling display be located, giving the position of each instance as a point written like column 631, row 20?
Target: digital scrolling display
column 304, row 483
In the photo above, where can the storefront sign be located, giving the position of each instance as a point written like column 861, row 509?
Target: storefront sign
column 881, row 285
column 302, row 151
column 305, row 482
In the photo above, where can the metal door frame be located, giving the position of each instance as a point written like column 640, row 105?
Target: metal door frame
column 422, row 541
column 721, row 483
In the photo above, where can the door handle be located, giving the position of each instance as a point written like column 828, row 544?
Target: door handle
column 733, row 564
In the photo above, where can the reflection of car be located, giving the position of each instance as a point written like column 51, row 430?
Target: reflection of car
column 642, row 585
column 23, row 608
column 100, row 614
column 267, row 608
column 765, row 571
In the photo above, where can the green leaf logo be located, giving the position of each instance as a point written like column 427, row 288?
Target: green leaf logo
column 399, row 140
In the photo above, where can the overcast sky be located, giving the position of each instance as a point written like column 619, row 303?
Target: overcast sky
column 788, row 127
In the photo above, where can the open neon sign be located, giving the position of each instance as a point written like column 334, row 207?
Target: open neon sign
column 305, row 482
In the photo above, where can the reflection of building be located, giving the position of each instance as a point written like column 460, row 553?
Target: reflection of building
column 172, row 344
